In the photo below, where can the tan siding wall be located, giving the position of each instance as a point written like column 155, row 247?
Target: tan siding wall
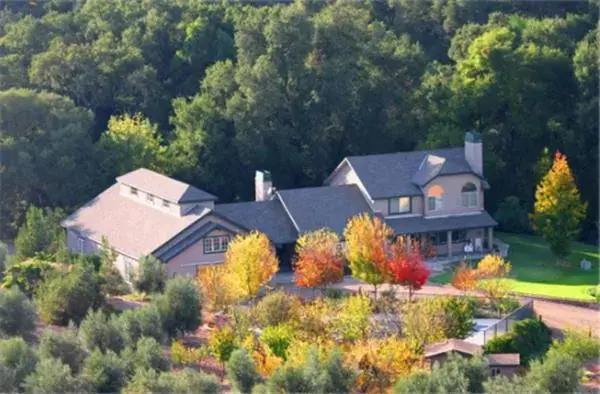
column 186, row 262
column 452, row 186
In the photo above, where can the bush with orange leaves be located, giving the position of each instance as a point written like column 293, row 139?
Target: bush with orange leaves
column 465, row 278
column 380, row 362
column 264, row 359
column 318, row 262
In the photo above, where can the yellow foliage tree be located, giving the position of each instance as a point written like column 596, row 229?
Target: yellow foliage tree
column 318, row 261
column 264, row 359
column 250, row 262
column 217, row 290
column 424, row 322
column 368, row 248
column 491, row 274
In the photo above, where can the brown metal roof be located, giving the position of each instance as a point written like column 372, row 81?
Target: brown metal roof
column 452, row 345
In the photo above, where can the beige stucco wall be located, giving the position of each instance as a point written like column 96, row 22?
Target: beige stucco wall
column 452, row 186
column 186, row 262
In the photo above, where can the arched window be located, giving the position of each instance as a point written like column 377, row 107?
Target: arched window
column 469, row 195
column 435, row 198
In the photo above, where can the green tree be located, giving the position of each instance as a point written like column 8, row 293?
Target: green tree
column 242, row 371
column 40, row 233
column 558, row 209
column 531, row 338
column 147, row 354
column 180, row 306
column 63, row 346
column 51, row 376
column 111, row 280
column 18, row 357
column 45, row 140
column 17, row 313
column 99, row 331
column 104, row 372
column 151, row 276
column 64, row 297
column 557, row 373
column 142, row 322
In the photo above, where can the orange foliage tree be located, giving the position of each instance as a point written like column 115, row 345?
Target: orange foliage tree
column 367, row 248
column 407, row 266
column 318, row 261
column 216, row 289
column 465, row 278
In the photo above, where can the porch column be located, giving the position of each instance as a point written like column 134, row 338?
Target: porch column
column 449, row 243
column 490, row 238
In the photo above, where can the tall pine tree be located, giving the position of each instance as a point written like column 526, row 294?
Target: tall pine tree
column 558, row 209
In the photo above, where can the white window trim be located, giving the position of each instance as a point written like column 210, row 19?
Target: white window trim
column 216, row 244
column 438, row 205
column 470, row 199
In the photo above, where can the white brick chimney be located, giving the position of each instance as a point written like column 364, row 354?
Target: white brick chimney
column 263, row 185
column 474, row 151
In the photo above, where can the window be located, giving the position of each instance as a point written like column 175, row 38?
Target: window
column 435, row 198
column 399, row 205
column 150, row 198
column 469, row 195
column 133, row 191
column 166, row 204
column 128, row 269
column 216, row 244
column 81, row 245
column 496, row 372
column 459, row 236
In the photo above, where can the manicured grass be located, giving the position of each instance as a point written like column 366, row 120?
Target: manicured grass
column 534, row 270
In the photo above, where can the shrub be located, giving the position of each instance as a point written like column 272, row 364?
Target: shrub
column 278, row 339
column 18, row 357
column 458, row 317
column 242, row 371
column 222, row 343
column 182, row 355
column 559, row 373
column 142, row 322
column 51, row 376
column 63, row 346
column 151, row 276
column 104, row 372
column 98, row 331
column 504, row 385
column 580, row 345
column 531, row 338
column 27, row 276
column 62, row 298
column 148, row 354
column 180, row 307
column 187, row 381
column 353, row 320
column 276, row 308
column 424, row 321
column 455, row 375
column 17, row 314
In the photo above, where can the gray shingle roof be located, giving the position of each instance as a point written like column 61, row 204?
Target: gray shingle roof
column 132, row 228
column 392, row 175
column 268, row 217
column 164, row 187
column 420, row 224
column 323, row 207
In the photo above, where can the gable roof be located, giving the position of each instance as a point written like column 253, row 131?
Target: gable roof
column 268, row 217
column 330, row 207
column 133, row 229
column 401, row 174
column 164, row 187
column 452, row 345
column 503, row 359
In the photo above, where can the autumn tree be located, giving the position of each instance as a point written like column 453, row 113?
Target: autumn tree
column 558, row 209
column 250, row 262
column 406, row 266
column 464, row 278
column 491, row 273
column 217, row 290
column 318, row 261
column 367, row 248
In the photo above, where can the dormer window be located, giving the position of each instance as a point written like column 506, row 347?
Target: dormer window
column 399, row 205
column 166, row 204
column 133, row 191
column 435, row 198
column 469, row 195
column 150, row 198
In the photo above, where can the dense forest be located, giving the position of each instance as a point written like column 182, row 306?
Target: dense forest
column 208, row 92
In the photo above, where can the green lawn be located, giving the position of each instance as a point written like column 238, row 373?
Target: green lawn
column 534, row 270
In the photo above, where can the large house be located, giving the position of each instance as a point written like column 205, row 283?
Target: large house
column 435, row 195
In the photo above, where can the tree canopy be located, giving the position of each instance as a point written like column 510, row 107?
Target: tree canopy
column 210, row 91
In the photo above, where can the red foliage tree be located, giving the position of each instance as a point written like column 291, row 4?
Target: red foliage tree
column 407, row 267
column 318, row 260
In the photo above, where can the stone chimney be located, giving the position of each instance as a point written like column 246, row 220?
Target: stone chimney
column 474, row 151
column 263, row 185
